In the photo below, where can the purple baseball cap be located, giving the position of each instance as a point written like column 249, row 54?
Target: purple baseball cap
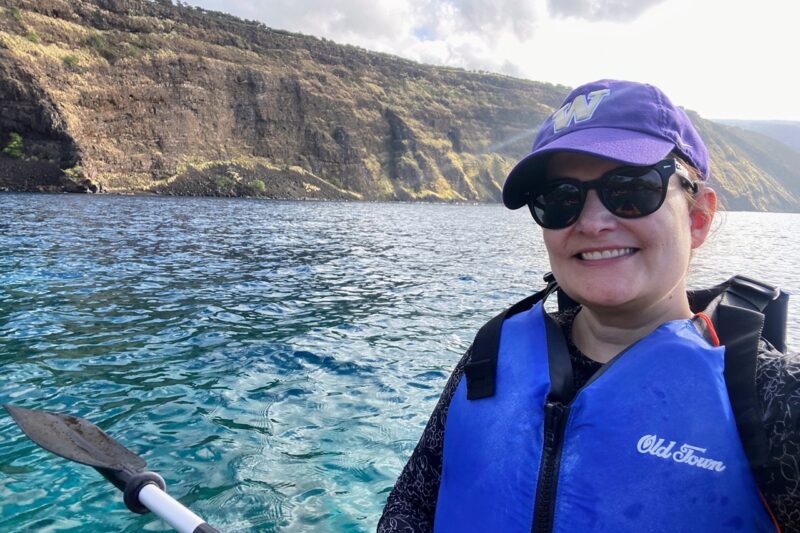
column 632, row 123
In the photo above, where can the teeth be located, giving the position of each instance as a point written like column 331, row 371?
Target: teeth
column 605, row 254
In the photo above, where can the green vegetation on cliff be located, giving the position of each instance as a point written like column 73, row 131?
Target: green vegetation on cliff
column 155, row 97
column 14, row 146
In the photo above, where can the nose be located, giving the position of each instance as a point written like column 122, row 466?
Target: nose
column 594, row 217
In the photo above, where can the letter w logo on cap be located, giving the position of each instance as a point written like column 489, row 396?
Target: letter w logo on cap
column 580, row 109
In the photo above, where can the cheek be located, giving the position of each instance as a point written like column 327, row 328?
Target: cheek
column 547, row 237
column 680, row 219
column 677, row 228
column 554, row 242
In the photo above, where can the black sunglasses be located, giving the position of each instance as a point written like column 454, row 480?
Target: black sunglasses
column 627, row 192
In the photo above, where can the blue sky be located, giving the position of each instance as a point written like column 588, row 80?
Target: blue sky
column 724, row 59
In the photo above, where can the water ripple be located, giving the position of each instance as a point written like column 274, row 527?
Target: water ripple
column 274, row 361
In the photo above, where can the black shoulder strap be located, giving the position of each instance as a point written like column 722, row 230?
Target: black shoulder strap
column 481, row 368
column 739, row 314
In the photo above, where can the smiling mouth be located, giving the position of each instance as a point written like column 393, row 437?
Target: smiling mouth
column 606, row 254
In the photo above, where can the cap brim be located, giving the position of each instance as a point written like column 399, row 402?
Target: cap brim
column 624, row 146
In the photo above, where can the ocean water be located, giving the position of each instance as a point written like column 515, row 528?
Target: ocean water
column 274, row 361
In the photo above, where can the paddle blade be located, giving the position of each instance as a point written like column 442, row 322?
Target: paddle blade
column 75, row 439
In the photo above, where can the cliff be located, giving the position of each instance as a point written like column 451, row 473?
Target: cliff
column 785, row 131
column 135, row 96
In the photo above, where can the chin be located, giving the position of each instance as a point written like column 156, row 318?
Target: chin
column 604, row 296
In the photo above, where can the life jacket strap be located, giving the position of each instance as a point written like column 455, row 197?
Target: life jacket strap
column 481, row 368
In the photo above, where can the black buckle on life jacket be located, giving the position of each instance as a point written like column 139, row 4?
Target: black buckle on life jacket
column 480, row 378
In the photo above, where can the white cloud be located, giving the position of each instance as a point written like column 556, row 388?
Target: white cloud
column 724, row 60
column 464, row 33
column 618, row 10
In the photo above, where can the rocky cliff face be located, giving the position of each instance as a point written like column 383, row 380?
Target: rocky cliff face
column 139, row 96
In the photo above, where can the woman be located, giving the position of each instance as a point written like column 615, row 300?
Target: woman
column 620, row 412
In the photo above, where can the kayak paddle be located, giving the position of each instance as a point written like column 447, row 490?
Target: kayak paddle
column 81, row 441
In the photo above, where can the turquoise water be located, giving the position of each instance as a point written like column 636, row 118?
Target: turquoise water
column 274, row 361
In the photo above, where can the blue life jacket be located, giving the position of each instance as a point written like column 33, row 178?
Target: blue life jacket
column 650, row 443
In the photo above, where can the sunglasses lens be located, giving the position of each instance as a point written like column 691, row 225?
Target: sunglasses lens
column 630, row 192
column 557, row 205
column 630, row 195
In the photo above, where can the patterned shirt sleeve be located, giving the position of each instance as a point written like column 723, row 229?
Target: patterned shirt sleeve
column 412, row 502
column 778, row 383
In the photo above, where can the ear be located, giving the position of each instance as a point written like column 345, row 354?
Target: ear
column 701, row 214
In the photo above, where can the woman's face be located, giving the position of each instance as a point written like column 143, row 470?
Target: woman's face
column 607, row 262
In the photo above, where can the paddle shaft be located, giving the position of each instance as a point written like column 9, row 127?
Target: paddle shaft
column 171, row 511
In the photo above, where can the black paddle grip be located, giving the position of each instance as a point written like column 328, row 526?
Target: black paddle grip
column 135, row 484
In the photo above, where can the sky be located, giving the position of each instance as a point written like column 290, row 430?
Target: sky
column 725, row 59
